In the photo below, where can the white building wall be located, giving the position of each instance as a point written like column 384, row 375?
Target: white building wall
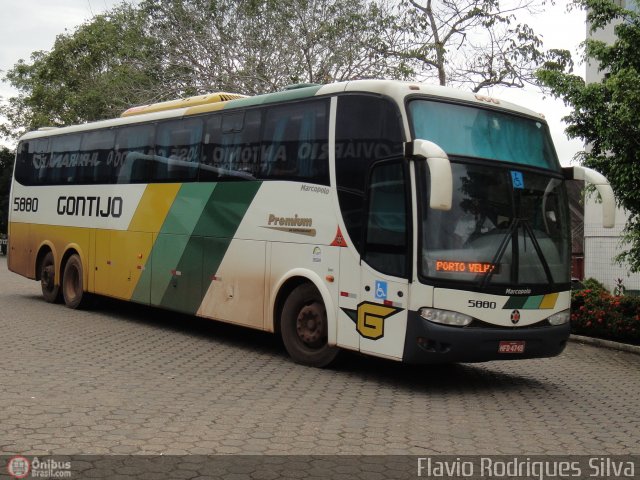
column 602, row 245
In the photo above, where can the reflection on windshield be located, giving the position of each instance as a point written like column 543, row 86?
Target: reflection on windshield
column 505, row 227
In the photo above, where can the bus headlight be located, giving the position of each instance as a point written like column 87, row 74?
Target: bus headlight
column 446, row 317
column 559, row 318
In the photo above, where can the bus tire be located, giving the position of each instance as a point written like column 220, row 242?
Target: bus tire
column 72, row 288
column 50, row 291
column 303, row 326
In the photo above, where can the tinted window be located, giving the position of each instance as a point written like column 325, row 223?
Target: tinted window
column 368, row 128
column 96, row 152
column 32, row 161
column 231, row 147
column 483, row 133
column 133, row 158
column 285, row 142
column 294, row 145
column 178, row 150
column 387, row 217
column 65, row 156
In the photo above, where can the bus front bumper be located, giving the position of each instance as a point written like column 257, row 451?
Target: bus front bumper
column 428, row 342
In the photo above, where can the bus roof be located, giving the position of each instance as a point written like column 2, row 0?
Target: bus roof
column 395, row 89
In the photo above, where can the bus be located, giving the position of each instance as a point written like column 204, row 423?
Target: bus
column 400, row 220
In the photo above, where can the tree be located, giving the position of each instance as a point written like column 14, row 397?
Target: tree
column 260, row 46
column 6, row 171
column 605, row 115
column 473, row 44
column 98, row 71
column 163, row 49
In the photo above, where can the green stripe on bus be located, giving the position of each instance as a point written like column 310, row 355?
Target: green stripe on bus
column 515, row 302
column 533, row 302
column 295, row 94
column 169, row 246
column 204, row 250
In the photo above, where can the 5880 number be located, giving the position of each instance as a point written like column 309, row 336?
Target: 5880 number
column 481, row 304
column 25, row 204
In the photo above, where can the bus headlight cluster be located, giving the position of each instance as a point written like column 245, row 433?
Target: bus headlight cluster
column 445, row 317
column 559, row 318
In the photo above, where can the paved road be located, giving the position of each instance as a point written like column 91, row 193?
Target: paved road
column 128, row 379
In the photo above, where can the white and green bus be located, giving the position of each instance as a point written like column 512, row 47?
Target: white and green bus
column 406, row 221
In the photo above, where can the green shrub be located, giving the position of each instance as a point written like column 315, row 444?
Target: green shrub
column 593, row 284
column 597, row 313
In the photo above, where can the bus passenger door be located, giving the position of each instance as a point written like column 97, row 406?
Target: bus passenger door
column 382, row 314
column 385, row 267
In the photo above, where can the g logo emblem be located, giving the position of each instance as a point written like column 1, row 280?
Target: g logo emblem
column 515, row 316
column 371, row 317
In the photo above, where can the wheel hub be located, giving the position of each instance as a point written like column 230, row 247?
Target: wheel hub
column 309, row 324
column 48, row 277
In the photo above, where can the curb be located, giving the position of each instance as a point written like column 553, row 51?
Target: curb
column 599, row 342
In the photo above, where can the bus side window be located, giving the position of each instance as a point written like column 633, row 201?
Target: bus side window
column 231, row 146
column 133, row 158
column 294, row 143
column 25, row 168
column 230, row 141
column 178, row 150
column 65, row 156
column 211, row 149
column 32, row 161
column 386, row 243
column 247, row 156
column 96, row 148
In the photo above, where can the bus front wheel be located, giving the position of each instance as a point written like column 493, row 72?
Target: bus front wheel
column 72, row 289
column 50, row 291
column 304, row 327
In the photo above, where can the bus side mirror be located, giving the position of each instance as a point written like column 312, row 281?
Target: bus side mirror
column 603, row 187
column 441, row 186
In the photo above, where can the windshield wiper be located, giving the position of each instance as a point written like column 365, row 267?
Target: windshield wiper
column 500, row 252
column 545, row 265
column 527, row 230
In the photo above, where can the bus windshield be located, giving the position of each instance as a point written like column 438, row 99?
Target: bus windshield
column 505, row 227
column 483, row 133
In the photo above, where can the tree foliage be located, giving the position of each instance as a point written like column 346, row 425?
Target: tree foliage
column 102, row 68
column 471, row 43
column 605, row 115
column 258, row 46
column 163, row 49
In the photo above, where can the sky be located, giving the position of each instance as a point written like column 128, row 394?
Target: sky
column 31, row 25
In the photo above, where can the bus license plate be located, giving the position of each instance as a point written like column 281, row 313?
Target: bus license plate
column 513, row 346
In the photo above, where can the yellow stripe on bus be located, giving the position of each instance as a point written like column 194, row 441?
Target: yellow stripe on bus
column 153, row 207
column 549, row 301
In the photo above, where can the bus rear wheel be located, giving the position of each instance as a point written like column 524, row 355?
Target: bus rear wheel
column 304, row 328
column 50, row 291
column 72, row 289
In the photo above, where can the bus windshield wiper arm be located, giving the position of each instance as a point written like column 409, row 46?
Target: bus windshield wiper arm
column 545, row 265
column 500, row 252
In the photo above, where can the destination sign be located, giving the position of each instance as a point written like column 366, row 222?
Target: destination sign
column 466, row 267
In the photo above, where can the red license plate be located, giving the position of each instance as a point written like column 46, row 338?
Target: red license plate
column 512, row 346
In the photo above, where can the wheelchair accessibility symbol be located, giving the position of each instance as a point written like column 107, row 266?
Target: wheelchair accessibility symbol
column 381, row 290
